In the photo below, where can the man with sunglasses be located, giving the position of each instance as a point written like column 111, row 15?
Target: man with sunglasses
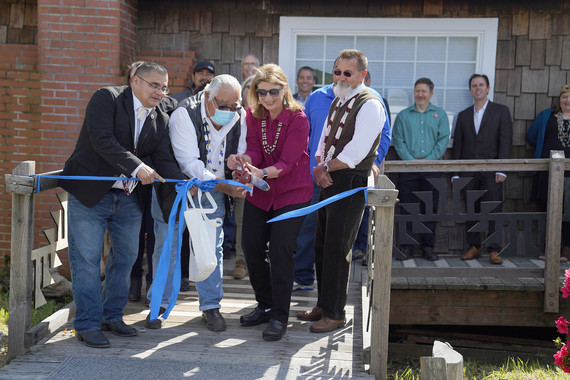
column 125, row 134
column 204, row 130
column 345, row 155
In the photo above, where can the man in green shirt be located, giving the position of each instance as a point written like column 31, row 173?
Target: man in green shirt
column 421, row 132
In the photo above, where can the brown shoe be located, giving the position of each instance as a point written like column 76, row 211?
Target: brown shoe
column 471, row 254
column 494, row 258
column 326, row 325
column 312, row 315
column 239, row 271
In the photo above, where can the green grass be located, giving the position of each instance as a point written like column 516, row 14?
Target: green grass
column 512, row 369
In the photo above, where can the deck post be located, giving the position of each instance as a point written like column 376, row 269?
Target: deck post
column 553, row 232
column 384, row 199
column 21, row 275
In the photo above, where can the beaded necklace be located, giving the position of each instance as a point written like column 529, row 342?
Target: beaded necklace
column 563, row 130
column 269, row 149
column 330, row 153
column 208, row 139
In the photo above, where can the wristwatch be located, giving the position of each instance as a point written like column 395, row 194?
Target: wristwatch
column 326, row 167
column 264, row 177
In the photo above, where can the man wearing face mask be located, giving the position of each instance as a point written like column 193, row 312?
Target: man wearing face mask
column 204, row 130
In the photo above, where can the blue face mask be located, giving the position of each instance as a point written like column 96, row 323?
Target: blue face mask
column 223, row 117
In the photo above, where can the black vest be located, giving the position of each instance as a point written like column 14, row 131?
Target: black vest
column 193, row 106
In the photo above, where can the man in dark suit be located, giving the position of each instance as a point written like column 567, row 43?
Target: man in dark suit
column 483, row 131
column 123, row 134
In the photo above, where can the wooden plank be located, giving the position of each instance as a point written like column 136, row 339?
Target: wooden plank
column 383, row 241
column 21, row 275
column 514, row 165
column 468, row 272
column 18, row 184
column 553, row 222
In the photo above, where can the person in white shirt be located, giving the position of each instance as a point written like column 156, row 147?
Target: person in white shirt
column 204, row 131
column 347, row 150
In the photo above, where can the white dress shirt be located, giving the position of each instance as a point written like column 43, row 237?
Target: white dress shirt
column 185, row 143
column 369, row 123
column 478, row 116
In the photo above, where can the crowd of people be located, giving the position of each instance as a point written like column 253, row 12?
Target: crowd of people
column 307, row 146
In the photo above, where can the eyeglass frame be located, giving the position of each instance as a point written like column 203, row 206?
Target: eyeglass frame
column 222, row 107
column 263, row 93
column 155, row 86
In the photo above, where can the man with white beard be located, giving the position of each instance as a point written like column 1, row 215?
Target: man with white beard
column 347, row 150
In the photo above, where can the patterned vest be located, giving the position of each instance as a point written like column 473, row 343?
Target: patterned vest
column 348, row 130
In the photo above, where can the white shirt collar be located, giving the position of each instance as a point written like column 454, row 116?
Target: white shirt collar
column 482, row 108
column 137, row 103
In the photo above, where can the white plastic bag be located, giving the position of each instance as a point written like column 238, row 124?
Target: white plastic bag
column 203, row 238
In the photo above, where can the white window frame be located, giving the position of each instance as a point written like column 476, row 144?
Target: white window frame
column 485, row 29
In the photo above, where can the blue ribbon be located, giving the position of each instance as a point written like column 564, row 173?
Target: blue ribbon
column 309, row 209
column 161, row 274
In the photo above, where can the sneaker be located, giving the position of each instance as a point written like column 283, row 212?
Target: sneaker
column 185, row 285
column 305, row 287
column 239, row 271
column 357, row 254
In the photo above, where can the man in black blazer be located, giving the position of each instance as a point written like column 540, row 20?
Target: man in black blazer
column 123, row 134
column 483, row 131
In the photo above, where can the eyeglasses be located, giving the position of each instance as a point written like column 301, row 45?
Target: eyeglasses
column 249, row 64
column 155, row 86
column 274, row 92
column 233, row 108
column 338, row 73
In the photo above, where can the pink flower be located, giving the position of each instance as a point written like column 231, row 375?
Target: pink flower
column 562, row 325
column 561, row 359
column 567, row 273
column 565, row 289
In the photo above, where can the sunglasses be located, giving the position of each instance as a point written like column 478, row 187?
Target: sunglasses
column 274, row 92
column 233, row 108
column 338, row 73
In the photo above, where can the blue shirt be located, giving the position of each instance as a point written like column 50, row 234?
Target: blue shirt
column 317, row 108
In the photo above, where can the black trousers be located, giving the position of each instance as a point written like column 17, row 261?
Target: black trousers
column 271, row 274
column 407, row 184
column 484, row 181
column 337, row 226
column 146, row 239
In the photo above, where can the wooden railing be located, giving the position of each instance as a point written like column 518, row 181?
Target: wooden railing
column 29, row 268
column 384, row 199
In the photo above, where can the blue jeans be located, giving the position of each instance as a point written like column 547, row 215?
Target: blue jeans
column 121, row 215
column 210, row 290
column 305, row 253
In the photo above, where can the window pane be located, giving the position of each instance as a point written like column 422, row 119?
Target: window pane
column 310, row 47
column 372, row 47
column 462, row 49
column 376, row 72
column 458, row 100
column 400, row 48
column 337, row 43
column 399, row 75
column 433, row 71
column 458, row 74
column 431, row 48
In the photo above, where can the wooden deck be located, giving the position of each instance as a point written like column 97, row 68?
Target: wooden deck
column 185, row 338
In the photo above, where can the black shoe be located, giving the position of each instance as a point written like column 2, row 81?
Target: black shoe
column 429, row 255
column 157, row 323
column 256, row 317
column 275, row 330
column 214, row 320
column 135, row 290
column 184, row 285
column 93, row 339
column 404, row 254
column 119, row 328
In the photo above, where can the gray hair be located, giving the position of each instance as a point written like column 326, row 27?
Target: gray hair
column 220, row 81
